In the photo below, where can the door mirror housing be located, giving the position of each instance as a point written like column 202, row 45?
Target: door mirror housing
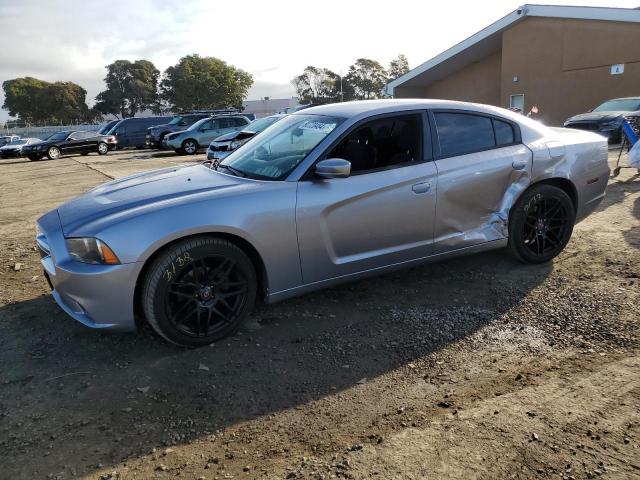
column 333, row 168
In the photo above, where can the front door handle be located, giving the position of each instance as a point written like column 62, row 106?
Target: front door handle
column 422, row 187
column 519, row 164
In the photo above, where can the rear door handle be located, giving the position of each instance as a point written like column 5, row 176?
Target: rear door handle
column 422, row 187
column 519, row 164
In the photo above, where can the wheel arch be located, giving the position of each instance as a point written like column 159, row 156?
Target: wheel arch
column 241, row 243
column 562, row 183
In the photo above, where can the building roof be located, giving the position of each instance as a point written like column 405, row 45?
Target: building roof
column 489, row 40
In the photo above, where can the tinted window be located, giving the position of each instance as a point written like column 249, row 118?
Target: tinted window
column 460, row 133
column 225, row 123
column 239, row 121
column 382, row 143
column 504, row 132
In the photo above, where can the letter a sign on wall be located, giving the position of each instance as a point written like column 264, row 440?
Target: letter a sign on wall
column 617, row 69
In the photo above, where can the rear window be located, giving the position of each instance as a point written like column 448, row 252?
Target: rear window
column 504, row 132
column 460, row 133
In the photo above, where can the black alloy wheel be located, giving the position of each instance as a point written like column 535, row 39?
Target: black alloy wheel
column 541, row 224
column 199, row 291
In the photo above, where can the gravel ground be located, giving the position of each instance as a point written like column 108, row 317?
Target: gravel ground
column 478, row 367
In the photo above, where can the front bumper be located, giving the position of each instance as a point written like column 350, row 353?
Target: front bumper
column 171, row 144
column 152, row 142
column 98, row 296
column 11, row 154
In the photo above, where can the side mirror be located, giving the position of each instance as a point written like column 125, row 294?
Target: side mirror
column 333, row 168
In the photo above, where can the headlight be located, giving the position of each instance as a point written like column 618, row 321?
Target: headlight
column 609, row 125
column 91, row 250
column 238, row 143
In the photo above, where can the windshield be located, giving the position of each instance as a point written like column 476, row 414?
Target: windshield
column 56, row 137
column 196, row 125
column 273, row 155
column 620, row 105
column 106, row 128
column 178, row 120
column 260, row 124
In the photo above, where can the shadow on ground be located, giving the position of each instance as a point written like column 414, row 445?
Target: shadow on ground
column 97, row 399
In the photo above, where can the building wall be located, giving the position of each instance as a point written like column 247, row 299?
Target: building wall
column 563, row 66
column 478, row 82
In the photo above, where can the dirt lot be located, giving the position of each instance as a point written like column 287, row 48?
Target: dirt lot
column 479, row 367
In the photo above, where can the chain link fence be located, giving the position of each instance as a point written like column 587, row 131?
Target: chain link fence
column 43, row 131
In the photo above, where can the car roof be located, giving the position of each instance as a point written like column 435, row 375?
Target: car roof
column 373, row 107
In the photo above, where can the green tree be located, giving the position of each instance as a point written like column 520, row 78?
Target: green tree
column 317, row 86
column 398, row 67
column 197, row 82
column 131, row 88
column 36, row 101
column 367, row 78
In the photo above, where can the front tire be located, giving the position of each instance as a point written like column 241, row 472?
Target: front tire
column 53, row 153
column 103, row 148
column 199, row 291
column 541, row 224
column 190, row 147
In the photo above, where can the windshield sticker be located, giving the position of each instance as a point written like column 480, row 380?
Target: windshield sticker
column 317, row 126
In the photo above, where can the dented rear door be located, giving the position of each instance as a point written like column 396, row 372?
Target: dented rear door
column 476, row 190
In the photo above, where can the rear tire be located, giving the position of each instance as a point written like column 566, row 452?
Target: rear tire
column 190, row 147
column 103, row 148
column 540, row 224
column 199, row 291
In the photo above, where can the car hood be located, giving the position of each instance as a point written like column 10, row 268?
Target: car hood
column 597, row 116
column 237, row 135
column 140, row 192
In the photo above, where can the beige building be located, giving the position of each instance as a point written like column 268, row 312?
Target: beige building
column 565, row 60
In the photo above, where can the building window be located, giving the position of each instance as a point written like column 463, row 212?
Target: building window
column 516, row 102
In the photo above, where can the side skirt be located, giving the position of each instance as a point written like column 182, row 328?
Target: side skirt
column 310, row 287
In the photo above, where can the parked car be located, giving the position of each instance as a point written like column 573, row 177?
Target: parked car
column 203, row 132
column 326, row 195
column 7, row 139
column 104, row 130
column 222, row 146
column 13, row 149
column 181, row 122
column 132, row 132
column 606, row 119
column 64, row 143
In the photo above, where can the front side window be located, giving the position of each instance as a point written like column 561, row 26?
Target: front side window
column 274, row 155
column 381, row 143
column 461, row 133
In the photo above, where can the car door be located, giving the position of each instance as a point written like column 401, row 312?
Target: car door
column 482, row 164
column 382, row 214
column 73, row 143
column 91, row 140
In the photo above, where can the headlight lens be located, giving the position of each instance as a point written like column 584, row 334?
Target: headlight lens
column 91, row 250
column 238, row 143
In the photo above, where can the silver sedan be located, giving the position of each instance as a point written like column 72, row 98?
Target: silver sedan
column 326, row 195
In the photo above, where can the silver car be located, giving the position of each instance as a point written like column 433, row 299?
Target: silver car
column 326, row 195
column 201, row 133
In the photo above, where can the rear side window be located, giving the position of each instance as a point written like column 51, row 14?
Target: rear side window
column 239, row 121
column 504, row 133
column 460, row 133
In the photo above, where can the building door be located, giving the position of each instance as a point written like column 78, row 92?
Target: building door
column 516, row 102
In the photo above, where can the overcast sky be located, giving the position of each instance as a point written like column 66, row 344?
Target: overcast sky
column 73, row 40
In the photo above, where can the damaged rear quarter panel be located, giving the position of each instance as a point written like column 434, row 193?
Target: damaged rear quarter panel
column 475, row 194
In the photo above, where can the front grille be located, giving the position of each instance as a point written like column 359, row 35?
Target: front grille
column 594, row 127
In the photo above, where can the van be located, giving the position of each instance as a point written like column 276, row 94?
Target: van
column 132, row 132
